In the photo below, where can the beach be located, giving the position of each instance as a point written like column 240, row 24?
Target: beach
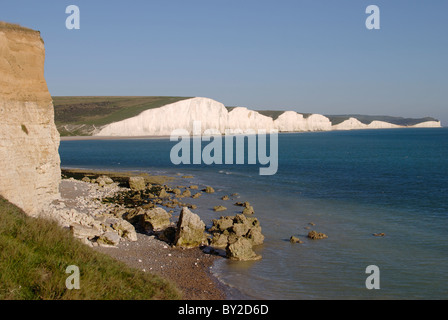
column 189, row 269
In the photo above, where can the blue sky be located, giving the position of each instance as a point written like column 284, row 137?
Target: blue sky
column 303, row 55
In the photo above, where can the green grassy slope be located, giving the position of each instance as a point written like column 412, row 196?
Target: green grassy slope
column 34, row 254
column 81, row 115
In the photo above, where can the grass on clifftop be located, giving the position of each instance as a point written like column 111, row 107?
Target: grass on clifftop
column 81, row 115
column 34, row 255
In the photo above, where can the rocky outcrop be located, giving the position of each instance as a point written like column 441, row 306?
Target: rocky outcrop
column 29, row 160
column 237, row 235
column 190, row 230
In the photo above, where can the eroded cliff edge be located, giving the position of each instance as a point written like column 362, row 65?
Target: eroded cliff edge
column 29, row 141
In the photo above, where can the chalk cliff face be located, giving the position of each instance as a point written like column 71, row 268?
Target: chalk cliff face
column 29, row 160
column 213, row 115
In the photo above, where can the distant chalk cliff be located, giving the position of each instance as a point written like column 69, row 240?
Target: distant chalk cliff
column 214, row 115
column 29, row 141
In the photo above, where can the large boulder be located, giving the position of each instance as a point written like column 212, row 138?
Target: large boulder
column 190, row 230
column 156, row 219
column 241, row 250
column 137, row 183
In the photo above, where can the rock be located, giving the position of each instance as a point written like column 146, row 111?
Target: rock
column 186, row 193
column 193, row 187
column 156, row 219
column 294, row 239
column 84, row 232
column 240, row 229
column 314, row 235
column 109, row 238
column 225, row 198
column 209, row 190
column 163, row 193
column 137, row 183
column 125, row 230
column 222, row 224
column 86, row 179
column 379, row 234
column 241, row 250
column 219, row 240
column 219, row 208
column 196, row 195
column 190, row 230
column 187, row 177
column 248, row 210
column 177, row 191
column 255, row 236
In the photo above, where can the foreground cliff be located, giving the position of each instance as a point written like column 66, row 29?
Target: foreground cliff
column 214, row 115
column 29, row 141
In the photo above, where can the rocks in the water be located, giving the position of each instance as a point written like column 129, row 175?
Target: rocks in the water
column 219, row 208
column 294, row 239
column 382, row 234
column 241, row 250
column 248, row 210
column 186, row 193
column 228, row 230
column 190, row 230
column 314, row 235
column 225, row 198
column 137, row 183
column 196, row 195
column 193, row 187
column 163, row 193
column 209, row 190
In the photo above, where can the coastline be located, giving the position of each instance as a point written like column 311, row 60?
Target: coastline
column 189, row 269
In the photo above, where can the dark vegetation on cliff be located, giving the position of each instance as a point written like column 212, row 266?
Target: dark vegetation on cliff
column 34, row 255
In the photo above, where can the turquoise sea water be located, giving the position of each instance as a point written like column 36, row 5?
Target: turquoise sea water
column 350, row 184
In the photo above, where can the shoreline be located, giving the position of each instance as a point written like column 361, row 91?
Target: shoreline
column 189, row 269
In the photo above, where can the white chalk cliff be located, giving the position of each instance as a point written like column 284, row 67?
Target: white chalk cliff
column 214, row 115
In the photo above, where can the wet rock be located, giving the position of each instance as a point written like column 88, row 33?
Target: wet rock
column 314, row 235
column 209, row 190
column 294, row 239
column 190, row 230
column 219, row 208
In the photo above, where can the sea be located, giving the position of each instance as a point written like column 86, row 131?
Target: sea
column 349, row 185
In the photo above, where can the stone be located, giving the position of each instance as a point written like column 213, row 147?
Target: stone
column 219, row 240
column 314, row 235
column 156, row 219
column 86, row 179
column 219, row 208
column 249, row 210
column 193, row 187
column 255, row 236
column 163, row 193
column 84, row 232
column 240, row 229
column 177, row 191
column 241, row 250
column 294, row 239
column 225, row 198
column 190, row 231
column 186, row 193
column 109, row 238
column 125, row 230
column 382, row 234
column 196, row 195
column 137, row 183
column 209, row 190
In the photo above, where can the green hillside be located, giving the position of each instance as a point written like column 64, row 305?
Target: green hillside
column 79, row 116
